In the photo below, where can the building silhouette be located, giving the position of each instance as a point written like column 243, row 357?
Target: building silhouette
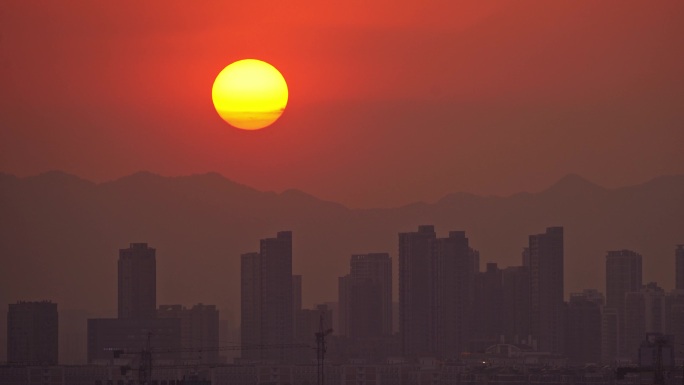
column 296, row 300
column 547, row 316
column 515, row 310
column 415, row 292
column 199, row 331
column 487, row 325
column 250, row 303
column 32, row 333
column 137, row 282
column 679, row 267
column 623, row 275
column 675, row 319
column 610, row 335
column 452, row 299
column 365, row 296
column 266, row 298
column 365, row 309
column 296, row 292
column 436, row 293
column 644, row 312
column 583, row 342
column 137, row 326
column 343, row 300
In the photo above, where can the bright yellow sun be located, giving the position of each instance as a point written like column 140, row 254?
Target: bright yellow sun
column 249, row 94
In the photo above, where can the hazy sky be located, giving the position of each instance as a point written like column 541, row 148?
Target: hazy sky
column 390, row 101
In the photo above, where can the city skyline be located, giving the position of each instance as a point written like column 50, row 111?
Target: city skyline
column 385, row 192
column 448, row 256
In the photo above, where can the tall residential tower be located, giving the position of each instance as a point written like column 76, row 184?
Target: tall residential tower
column 546, row 290
column 266, row 298
column 137, row 282
column 623, row 275
column 32, row 333
column 415, row 292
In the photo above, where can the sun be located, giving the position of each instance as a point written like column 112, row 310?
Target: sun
column 249, row 94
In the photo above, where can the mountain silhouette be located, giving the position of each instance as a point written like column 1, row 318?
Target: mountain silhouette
column 60, row 234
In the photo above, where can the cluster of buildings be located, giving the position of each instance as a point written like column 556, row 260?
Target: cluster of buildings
column 450, row 310
column 451, row 319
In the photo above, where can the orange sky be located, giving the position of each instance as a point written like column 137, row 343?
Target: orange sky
column 390, row 101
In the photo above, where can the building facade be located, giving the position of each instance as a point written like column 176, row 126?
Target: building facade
column 452, row 300
column 644, row 312
column 199, row 331
column 583, row 343
column 546, row 290
column 137, row 282
column 415, row 292
column 32, row 333
column 365, row 296
column 266, row 299
column 623, row 275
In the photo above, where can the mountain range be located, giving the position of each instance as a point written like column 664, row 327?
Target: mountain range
column 60, row 234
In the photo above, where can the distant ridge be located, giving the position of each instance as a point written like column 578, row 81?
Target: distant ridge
column 568, row 184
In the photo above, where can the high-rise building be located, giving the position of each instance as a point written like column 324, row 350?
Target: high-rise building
column 415, row 292
column 610, row 319
column 137, row 282
column 137, row 324
column 623, row 275
column 645, row 312
column 199, row 331
column 679, row 267
column 266, row 298
column 32, row 333
column 584, row 330
column 546, row 290
column 368, row 297
column 675, row 319
column 525, row 256
column 296, row 293
column 296, row 300
column 250, row 304
column 453, row 280
column 343, row 300
column 487, row 306
column 515, row 311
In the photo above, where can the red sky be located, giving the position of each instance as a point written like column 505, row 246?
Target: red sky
column 390, row 101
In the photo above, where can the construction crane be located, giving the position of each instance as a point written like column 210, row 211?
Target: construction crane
column 321, row 349
column 661, row 345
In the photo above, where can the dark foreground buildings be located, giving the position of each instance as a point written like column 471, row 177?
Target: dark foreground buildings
column 173, row 334
column 32, row 333
column 449, row 312
column 267, row 300
column 449, row 308
column 137, row 326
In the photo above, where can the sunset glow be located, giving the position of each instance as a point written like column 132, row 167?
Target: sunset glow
column 250, row 94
